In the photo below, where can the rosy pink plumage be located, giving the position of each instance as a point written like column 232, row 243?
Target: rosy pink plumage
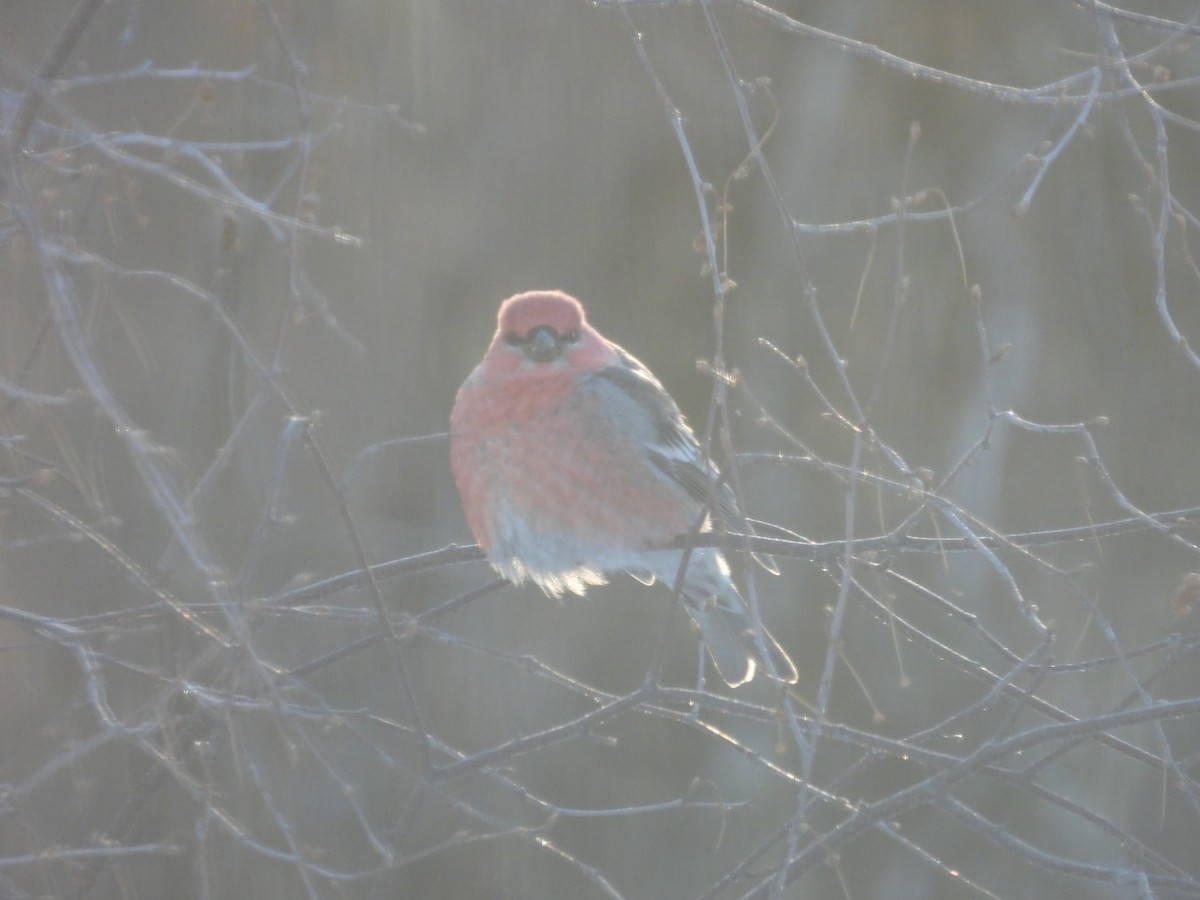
column 572, row 461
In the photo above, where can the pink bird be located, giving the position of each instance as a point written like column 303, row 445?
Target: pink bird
column 572, row 461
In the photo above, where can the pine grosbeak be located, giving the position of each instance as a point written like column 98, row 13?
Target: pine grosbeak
column 572, row 461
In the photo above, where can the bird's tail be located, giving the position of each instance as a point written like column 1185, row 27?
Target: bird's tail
column 737, row 644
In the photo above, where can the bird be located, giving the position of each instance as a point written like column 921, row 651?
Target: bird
column 573, row 462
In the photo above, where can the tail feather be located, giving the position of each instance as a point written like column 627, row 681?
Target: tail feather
column 738, row 646
column 733, row 643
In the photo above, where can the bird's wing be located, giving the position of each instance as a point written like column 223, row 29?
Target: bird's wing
column 669, row 443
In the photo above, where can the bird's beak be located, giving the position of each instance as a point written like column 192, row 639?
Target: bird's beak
column 542, row 345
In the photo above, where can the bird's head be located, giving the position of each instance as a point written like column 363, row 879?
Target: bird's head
column 542, row 328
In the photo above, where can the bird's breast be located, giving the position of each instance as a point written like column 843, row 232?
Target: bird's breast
column 553, row 459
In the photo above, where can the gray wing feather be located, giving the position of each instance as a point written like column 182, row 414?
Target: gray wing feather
column 669, row 443
column 671, row 446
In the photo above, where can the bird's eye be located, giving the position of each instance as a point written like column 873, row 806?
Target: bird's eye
column 513, row 339
column 571, row 336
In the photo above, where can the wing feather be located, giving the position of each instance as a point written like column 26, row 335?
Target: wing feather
column 668, row 442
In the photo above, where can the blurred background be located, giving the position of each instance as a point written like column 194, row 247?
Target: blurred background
column 942, row 254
